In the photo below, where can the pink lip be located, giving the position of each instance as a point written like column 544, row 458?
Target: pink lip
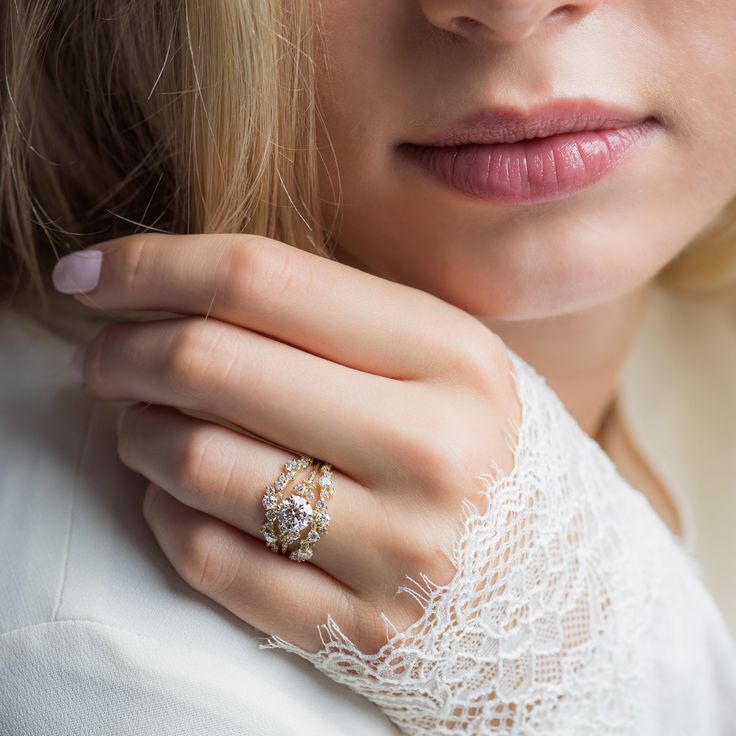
column 507, row 156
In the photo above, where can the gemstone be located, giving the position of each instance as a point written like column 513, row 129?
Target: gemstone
column 321, row 522
column 269, row 501
column 295, row 514
column 312, row 537
column 270, row 537
column 290, row 537
column 301, row 554
column 305, row 491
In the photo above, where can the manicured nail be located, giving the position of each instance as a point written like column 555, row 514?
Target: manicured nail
column 77, row 272
column 77, row 365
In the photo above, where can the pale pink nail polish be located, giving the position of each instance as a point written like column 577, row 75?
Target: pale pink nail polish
column 77, row 272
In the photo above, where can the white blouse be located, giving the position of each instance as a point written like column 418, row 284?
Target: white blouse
column 99, row 635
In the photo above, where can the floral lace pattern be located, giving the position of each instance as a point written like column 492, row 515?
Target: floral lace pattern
column 573, row 609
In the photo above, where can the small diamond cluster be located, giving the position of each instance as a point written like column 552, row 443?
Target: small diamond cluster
column 295, row 513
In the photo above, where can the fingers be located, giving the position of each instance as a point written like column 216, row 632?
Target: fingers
column 292, row 398
column 270, row 592
column 315, row 303
column 221, row 472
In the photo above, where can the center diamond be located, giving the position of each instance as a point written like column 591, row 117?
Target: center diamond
column 295, row 513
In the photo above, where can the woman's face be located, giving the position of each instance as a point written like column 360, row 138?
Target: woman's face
column 399, row 71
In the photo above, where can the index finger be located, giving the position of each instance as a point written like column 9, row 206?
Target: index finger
column 315, row 303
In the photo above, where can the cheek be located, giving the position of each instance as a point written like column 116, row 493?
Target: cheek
column 556, row 257
column 696, row 77
column 534, row 262
column 519, row 270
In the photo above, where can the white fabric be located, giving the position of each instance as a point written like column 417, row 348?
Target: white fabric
column 98, row 635
column 573, row 610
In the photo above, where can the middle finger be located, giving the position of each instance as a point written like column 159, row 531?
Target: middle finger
column 280, row 393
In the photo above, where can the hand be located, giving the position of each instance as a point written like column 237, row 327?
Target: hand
column 405, row 395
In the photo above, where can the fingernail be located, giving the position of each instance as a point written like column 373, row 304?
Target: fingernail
column 121, row 415
column 77, row 365
column 77, row 272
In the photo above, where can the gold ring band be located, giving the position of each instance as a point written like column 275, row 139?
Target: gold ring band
column 295, row 513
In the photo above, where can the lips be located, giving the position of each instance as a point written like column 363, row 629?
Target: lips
column 510, row 125
column 506, row 156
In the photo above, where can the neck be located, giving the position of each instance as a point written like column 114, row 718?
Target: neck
column 580, row 354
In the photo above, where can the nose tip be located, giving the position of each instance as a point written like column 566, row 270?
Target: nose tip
column 505, row 21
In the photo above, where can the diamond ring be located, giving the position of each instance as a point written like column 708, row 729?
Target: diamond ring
column 295, row 513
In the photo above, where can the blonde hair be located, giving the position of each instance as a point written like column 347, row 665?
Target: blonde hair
column 126, row 115
column 184, row 117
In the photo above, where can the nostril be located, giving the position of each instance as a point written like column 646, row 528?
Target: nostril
column 569, row 9
column 465, row 25
column 464, row 22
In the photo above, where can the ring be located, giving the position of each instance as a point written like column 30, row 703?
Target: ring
column 295, row 512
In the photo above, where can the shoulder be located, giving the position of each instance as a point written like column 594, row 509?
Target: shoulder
column 93, row 678
column 98, row 634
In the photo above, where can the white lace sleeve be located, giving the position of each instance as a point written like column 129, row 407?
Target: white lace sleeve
column 572, row 610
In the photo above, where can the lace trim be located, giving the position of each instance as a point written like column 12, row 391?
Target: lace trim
column 427, row 593
column 567, row 590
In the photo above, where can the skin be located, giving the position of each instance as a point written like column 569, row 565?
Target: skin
column 407, row 416
column 424, row 285
column 563, row 283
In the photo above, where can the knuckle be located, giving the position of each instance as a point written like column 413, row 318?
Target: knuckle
column 201, row 561
column 479, row 360
column 152, row 493
column 181, row 360
column 199, row 469
column 200, row 358
column 436, row 447
column 131, row 258
column 412, row 551
column 97, row 361
column 262, row 273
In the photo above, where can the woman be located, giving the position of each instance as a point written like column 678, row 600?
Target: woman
column 353, row 241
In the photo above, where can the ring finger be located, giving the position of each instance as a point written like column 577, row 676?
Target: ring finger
column 224, row 473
